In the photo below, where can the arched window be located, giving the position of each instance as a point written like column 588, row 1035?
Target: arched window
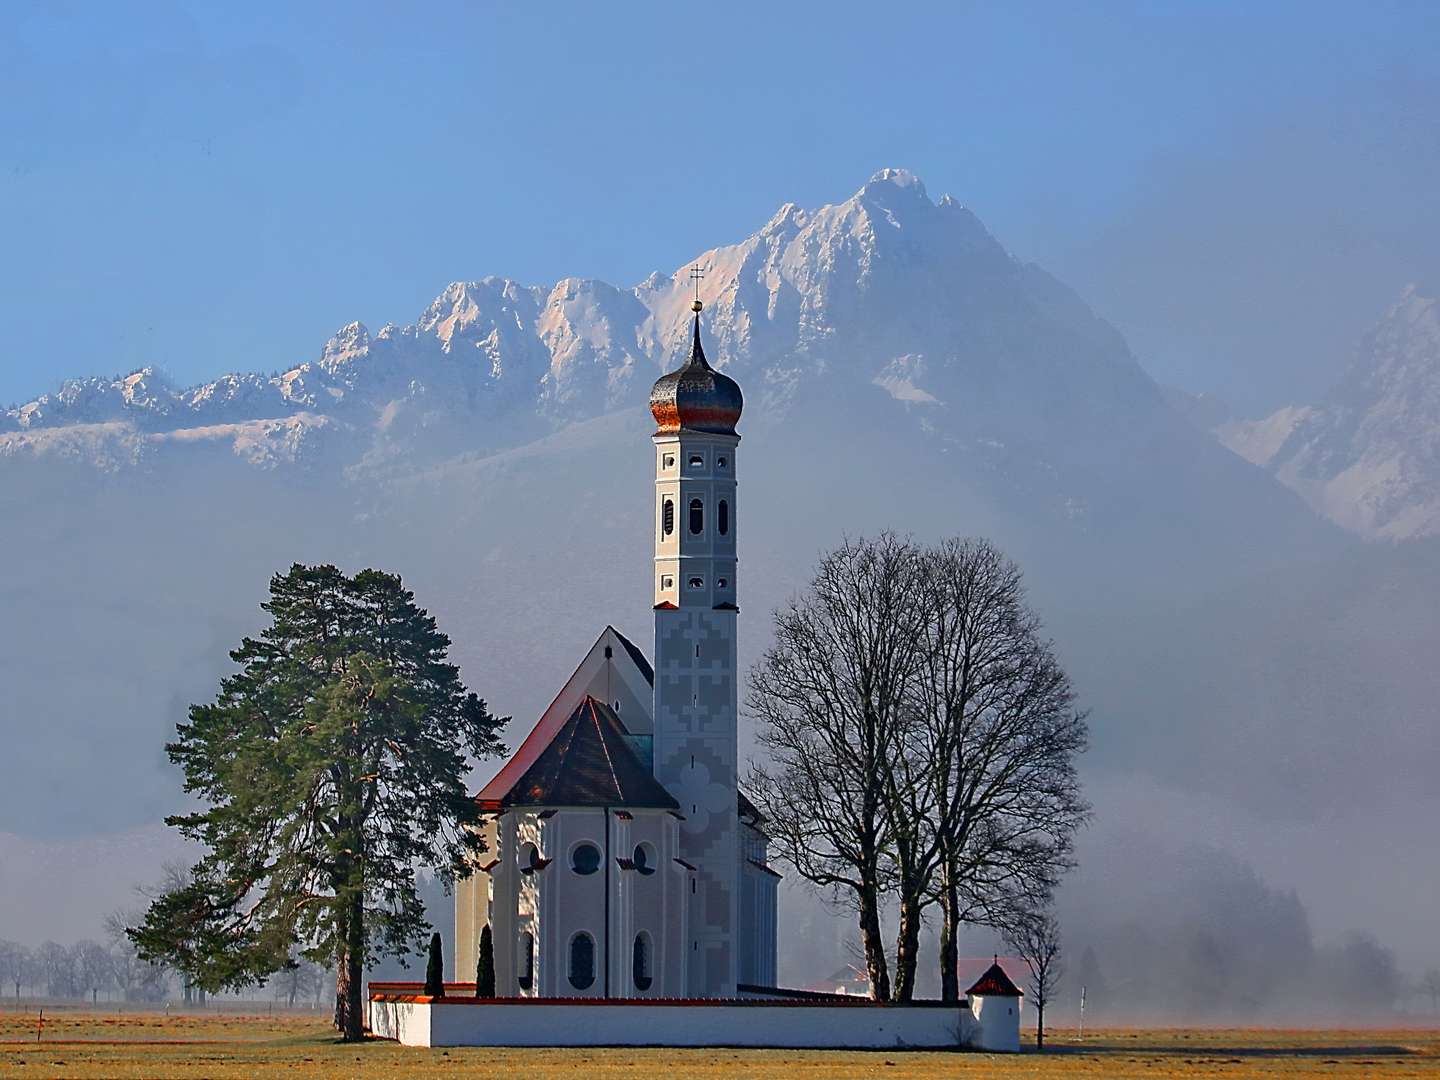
column 640, row 962
column 527, row 960
column 529, row 858
column 582, row 961
column 644, row 859
column 697, row 517
column 667, row 517
column 722, row 520
column 585, row 859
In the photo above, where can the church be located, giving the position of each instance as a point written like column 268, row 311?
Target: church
column 625, row 872
column 622, row 859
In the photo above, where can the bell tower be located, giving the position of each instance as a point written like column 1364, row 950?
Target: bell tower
column 696, row 693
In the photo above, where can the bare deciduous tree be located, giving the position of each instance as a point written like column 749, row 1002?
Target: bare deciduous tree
column 1430, row 986
column 1003, row 736
column 94, row 969
column 1034, row 936
column 829, row 696
column 14, row 965
column 57, row 968
column 922, row 738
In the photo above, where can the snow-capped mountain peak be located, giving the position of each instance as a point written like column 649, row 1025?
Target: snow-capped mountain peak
column 1368, row 457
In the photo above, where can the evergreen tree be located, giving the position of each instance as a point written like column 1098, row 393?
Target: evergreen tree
column 435, row 969
column 485, row 966
column 330, row 766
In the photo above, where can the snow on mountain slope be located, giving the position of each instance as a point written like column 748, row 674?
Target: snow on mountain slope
column 1368, row 458
column 884, row 290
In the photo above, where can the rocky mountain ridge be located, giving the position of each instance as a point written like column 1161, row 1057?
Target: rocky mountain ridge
column 887, row 293
column 1368, row 456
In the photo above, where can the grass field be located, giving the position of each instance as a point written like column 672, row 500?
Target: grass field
column 81, row 1044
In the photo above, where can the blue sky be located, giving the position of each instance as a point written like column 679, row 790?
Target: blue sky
column 1241, row 188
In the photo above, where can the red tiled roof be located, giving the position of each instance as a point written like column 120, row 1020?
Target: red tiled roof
column 995, row 983
column 549, row 724
column 588, row 762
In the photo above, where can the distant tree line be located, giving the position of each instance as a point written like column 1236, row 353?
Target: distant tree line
column 91, row 970
column 921, row 740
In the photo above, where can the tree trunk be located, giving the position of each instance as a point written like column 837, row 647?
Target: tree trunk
column 907, row 945
column 949, row 936
column 1039, row 1024
column 874, row 943
column 354, row 970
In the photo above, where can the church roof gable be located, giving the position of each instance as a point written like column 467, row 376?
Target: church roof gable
column 627, row 664
column 589, row 762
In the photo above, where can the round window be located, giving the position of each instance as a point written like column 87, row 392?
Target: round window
column 585, row 859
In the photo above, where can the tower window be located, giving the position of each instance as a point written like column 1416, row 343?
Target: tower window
column 722, row 519
column 697, row 517
column 640, row 962
column 669, row 461
column 527, row 960
column 666, row 583
column 697, row 461
column 585, row 859
column 582, row 961
column 722, row 583
column 697, row 583
column 667, row 517
column 721, row 461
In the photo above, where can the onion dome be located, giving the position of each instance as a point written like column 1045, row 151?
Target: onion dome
column 696, row 397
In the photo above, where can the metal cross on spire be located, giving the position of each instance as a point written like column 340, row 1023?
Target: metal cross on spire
column 697, row 272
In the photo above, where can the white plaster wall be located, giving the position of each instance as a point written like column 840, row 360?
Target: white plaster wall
column 405, row 1022
column 787, row 1025
column 996, row 1023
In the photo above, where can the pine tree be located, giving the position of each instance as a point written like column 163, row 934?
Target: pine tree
column 331, row 765
column 435, row 969
column 485, row 966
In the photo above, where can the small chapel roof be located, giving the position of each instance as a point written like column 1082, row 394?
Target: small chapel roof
column 995, row 983
column 589, row 762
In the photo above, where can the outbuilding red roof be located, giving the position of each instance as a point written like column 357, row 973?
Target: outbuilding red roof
column 995, row 983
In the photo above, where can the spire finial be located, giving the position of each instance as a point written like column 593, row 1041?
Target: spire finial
column 696, row 273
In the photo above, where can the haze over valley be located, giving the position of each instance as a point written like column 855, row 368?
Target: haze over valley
column 1251, row 614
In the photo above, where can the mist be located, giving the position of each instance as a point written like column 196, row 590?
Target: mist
column 1263, row 754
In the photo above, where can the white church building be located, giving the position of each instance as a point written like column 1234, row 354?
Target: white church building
column 623, row 859
column 625, row 871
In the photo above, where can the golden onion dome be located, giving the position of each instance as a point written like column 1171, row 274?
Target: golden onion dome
column 696, row 397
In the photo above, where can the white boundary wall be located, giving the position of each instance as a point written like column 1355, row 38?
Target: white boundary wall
column 422, row 1022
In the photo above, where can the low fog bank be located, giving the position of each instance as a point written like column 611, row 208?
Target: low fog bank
column 1158, row 929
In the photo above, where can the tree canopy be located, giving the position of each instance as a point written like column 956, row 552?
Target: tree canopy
column 921, row 738
column 330, row 766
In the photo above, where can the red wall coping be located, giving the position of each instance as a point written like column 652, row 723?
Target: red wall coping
column 464, row 994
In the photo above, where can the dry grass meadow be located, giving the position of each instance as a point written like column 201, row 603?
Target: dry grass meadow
column 86, row 1044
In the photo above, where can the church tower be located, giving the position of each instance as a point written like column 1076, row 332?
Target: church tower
column 695, row 743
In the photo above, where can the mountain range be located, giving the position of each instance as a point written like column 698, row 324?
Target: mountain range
column 901, row 370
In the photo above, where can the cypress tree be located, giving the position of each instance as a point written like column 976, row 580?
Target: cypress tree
column 485, row 966
column 435, row 969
